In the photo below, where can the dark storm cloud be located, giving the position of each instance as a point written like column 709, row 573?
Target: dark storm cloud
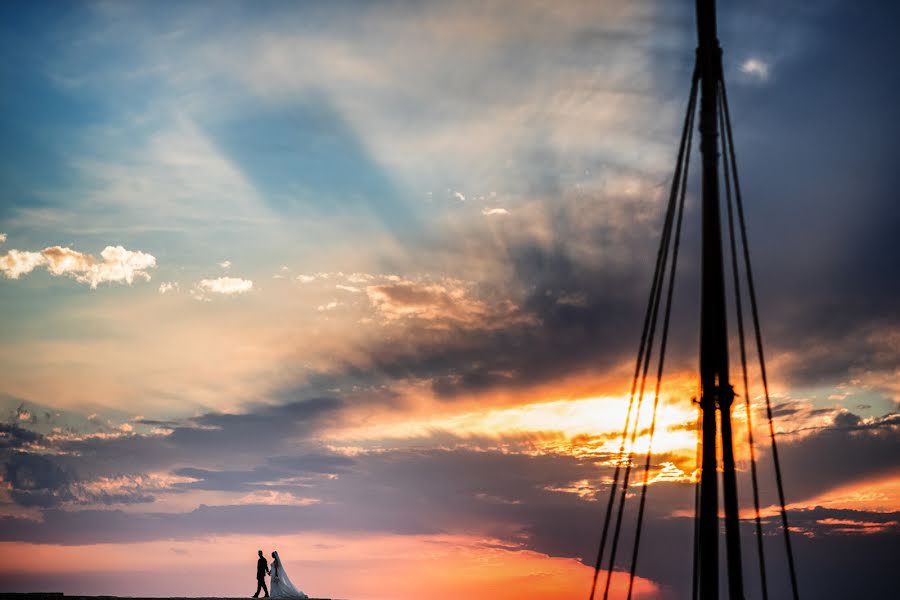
column 247, row 437
column 36, row 480
column 312, row 463
column 817, row 148
column 43, row 480
column 231, row 481
column 60, row 470
column 13, row 436
column 267, row 476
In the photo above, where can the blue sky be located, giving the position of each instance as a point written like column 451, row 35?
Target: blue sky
column 339, row 265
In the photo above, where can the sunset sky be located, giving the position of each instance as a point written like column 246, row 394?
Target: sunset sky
column 363, row 282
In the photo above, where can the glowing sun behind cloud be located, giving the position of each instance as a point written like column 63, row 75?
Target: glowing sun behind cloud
column 580, row 427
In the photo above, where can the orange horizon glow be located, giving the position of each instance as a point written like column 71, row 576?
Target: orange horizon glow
column 388, row 567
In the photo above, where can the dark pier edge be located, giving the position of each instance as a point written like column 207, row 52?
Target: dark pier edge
column 61, row 596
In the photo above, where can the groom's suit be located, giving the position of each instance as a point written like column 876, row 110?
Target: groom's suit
column 261, row 568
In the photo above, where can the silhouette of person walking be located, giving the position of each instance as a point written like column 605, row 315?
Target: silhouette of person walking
column 262, row 569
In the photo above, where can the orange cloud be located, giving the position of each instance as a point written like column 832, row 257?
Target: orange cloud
column 854, row 526
column 879, row 495
column 448, row 300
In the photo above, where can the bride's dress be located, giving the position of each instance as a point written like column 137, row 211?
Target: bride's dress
column 281, row 584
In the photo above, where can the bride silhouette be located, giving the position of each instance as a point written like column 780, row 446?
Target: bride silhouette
column 281, row 583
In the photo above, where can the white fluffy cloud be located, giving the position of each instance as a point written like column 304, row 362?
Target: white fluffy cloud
column 116, row 264
column 226, row 286
column 17, row 262
column 2, row 238
column 168, row 286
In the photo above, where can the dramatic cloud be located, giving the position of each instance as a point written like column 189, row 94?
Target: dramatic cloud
column 445, row 375
column 116, row 264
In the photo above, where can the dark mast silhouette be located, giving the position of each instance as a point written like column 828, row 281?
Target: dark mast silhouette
column 715, row 387
column 716, row 392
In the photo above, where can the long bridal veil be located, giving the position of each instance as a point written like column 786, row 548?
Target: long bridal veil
column 282, row 587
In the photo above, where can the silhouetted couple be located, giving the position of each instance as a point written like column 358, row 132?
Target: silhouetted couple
column 281, row 584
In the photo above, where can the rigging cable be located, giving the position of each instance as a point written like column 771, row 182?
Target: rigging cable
column 662, row 350
column 677, row 177
column 637, row 369
column 759, row 347
column 640, row 399
column 695, row 576
column 727, row 168
column 643, row 351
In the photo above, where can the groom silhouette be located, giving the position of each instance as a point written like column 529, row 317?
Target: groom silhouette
column 262, row 569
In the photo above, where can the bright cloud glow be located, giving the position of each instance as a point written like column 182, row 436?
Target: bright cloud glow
column 756, row 68
column 2, row 238
column 580, row 427
column 168, row 286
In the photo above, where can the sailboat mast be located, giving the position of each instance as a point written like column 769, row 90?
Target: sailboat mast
column 716, row 392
